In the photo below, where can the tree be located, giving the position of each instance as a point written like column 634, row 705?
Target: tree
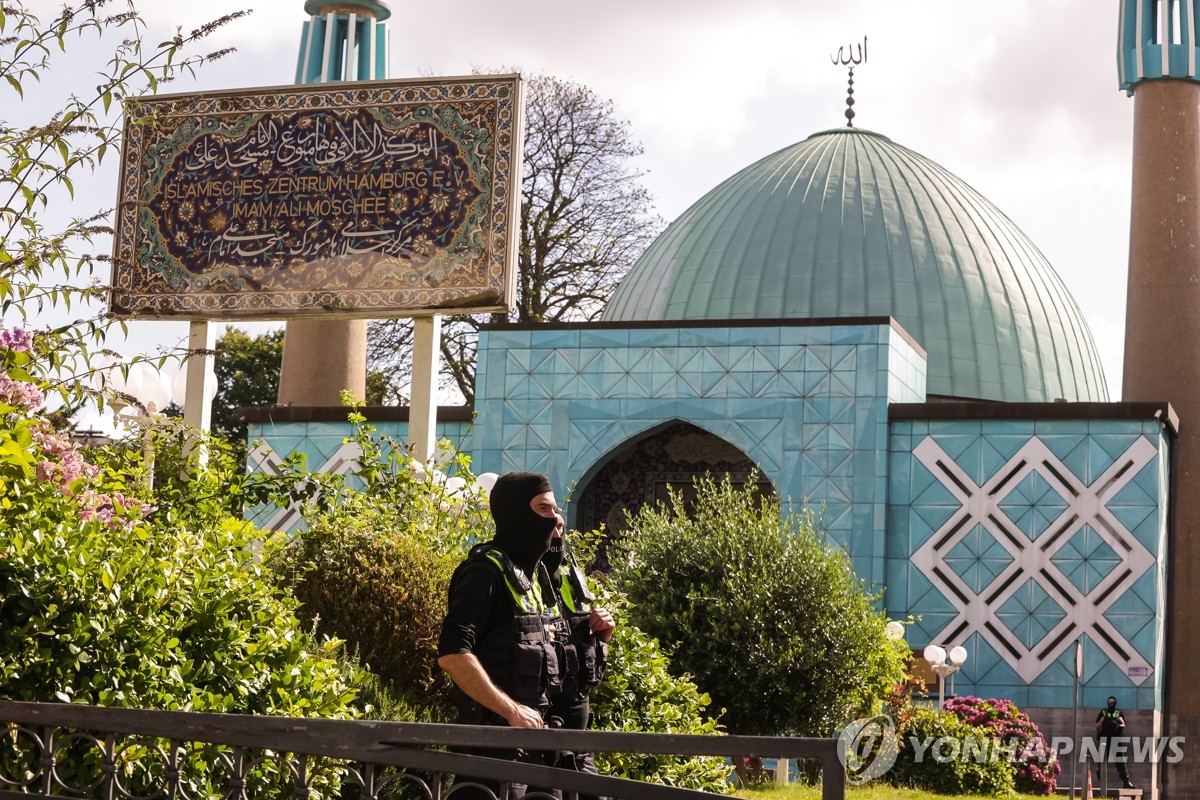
column 585, row 218
column 110, row 592
column 43, row 267
column 768, row 620
column 247, row 370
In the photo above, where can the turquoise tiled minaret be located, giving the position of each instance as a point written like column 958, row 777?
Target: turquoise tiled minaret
column 1157, row 39
column 345, row 40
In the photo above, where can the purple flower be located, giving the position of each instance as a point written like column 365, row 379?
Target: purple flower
column 16, row 340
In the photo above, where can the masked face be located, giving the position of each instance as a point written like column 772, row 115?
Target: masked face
column 1112, row 704
column 524, row 508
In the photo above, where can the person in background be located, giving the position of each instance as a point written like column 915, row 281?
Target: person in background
column 1110, row 723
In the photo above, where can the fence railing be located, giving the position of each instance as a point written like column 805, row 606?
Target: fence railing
column 71, row 752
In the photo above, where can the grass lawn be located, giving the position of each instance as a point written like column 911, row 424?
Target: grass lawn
column 871, row 791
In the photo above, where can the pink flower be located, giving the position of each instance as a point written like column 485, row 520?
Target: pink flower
column 20, row 394
column 47, row 471
column 16, row 340
column 116, row 511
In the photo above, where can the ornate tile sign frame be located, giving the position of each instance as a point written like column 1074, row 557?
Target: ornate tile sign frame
column 370, row 199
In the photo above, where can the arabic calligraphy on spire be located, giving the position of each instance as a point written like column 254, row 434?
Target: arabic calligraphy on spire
column 846, row 57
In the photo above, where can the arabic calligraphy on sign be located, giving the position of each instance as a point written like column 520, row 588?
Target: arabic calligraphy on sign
column 314, row 205
column 295, row 192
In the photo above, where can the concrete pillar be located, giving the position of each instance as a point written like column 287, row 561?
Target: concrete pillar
column 427, row 345
column 320, row 359
column 1162, row 362
column 323, row 357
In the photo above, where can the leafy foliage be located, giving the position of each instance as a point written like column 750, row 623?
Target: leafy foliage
column 585, row 218
column 1036, row 767
column 771, row 622
column 113, row 595
column 373, row 565
column 639, row 693
column 247, row 370
column 952, row 768
column 42, row 267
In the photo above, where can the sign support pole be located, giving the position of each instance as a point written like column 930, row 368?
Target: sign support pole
column 422, row 415
column 197, row 411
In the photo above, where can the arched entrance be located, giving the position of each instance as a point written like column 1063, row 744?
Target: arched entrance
column 640, row 472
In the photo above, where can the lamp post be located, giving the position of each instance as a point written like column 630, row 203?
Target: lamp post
column 945, row 664
column 154, row 392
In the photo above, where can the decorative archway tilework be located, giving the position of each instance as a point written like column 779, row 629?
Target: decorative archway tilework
column 1032, row 557
column 806, row 402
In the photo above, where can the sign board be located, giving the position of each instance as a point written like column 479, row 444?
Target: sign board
column 371, row 199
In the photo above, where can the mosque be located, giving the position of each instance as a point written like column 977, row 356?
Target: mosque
column 866, row 333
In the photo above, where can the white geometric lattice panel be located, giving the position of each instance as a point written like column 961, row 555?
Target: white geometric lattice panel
column 263, row 459
column 1031, row 572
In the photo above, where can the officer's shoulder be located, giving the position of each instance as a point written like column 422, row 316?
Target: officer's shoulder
column 486, row 554
column 478, row 561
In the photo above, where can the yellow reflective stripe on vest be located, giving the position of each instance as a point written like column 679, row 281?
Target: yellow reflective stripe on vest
column 567, row 592
column 530, row 602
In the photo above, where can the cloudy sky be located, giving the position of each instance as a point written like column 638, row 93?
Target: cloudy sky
column 1019, row 98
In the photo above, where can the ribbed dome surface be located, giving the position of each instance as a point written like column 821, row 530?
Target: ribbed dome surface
column 847, row 223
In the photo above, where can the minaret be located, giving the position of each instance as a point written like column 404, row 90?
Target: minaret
column 1157, row 58
column 345, row 40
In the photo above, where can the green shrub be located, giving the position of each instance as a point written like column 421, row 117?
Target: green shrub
column 949, row 770
column 773, row 624
column 359, row 579
column 113, row 595
column 375, row 558
column 639, row 693
column 154, row 618
column 373, row 568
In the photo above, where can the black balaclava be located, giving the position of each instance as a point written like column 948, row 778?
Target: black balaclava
column 521, row 532
column 1112, row 704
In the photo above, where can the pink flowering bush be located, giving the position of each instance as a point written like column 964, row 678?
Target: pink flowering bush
column 1036, row 766
column 113, row 593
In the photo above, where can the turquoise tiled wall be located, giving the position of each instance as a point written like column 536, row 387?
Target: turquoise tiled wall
column 1018, row 538
column 325, row 449
column 1015, row 538
column 808, row 404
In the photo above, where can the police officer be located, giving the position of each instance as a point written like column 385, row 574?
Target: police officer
column 497, row 641
column 1110, row 722
column 586, row 631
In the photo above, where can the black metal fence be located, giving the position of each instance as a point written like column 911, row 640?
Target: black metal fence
column 69, row 752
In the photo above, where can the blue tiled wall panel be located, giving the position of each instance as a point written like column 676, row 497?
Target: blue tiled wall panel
column 808, row 404
column 324, row 447
column 1017, row 538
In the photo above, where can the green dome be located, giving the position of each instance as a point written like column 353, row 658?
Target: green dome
column 850, row 224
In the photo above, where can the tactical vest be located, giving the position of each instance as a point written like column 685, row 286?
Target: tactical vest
column 521, row 658
column 589, row 653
